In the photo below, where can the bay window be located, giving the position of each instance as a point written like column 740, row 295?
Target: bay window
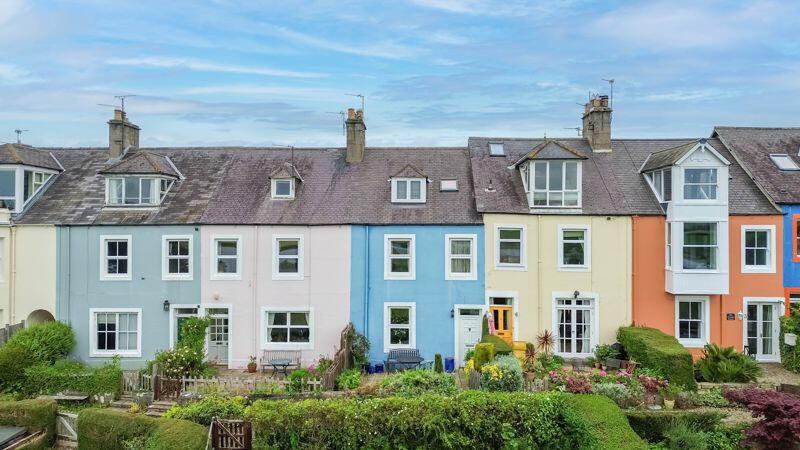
column 700, row 246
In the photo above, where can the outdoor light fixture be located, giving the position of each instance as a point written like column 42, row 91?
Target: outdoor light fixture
column 166, row 305
column 576, row 294
column 452, row 313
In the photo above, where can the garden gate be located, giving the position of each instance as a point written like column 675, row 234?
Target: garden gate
column 231, row 435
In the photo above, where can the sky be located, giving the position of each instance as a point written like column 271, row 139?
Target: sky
column 433, row 72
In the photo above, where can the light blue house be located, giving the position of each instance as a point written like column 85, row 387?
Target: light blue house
column 418, row 287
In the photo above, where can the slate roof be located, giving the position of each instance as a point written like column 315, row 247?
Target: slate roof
column 611, row 182
column 668, row 157
column 550, row 149
column 142, row 162
column 752, row 146
column 231, row 186
column 29, row 156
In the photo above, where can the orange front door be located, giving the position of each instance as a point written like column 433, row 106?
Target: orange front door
column 503, row 322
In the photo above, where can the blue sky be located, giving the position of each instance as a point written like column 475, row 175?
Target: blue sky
column 433, row 72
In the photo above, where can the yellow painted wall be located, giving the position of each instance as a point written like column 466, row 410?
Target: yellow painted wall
column 5, row 275
column 609, row 276
column 27, row 272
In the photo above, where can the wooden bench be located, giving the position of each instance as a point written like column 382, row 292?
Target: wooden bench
column 271, row 355
column 393, row 360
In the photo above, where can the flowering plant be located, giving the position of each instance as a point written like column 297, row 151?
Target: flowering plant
column 652, row 384
column 502, row 374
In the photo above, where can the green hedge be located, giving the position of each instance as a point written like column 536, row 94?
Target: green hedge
column 34, row 415
column 66, row 375
column 790, row 355
column 45, row 342
column 651, row 425
column 657, row 350
column 104, row 429
column 608, row 422
column 472, row 419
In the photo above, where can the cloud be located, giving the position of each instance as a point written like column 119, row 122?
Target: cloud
column 11, row 74
column 691, row 95
column 203, row 66
column 383, row 49
column 278, row 91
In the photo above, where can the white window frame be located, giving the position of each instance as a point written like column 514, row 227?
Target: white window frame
column 594, row 337
column 286, row 345
column 104, row 275
column 578, row 184
column 36, row 186
column 668, row 244
column 587, row 248
column 214, row 275
column 715, row 184
column 448, row 185
column 387, row 257
column 274, row 187
column 523, row 259
column 412, row 335
column 423, row 188
column 705, row 327
column 276, row 275
column 155, row 190
column 770, row 267
column 792, row 166
column 497, row 149
column 473, row 257
column 716, row 246
column 95, row 353
column 165, row 257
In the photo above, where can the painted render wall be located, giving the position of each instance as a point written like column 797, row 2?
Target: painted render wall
column 434, row 296
column 325, row 286
column 80, row 287
column 654, row 307
column 33, row 272
column 609, row 276
column 791, row 262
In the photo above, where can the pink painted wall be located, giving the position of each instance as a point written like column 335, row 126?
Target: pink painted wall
column 325, row 286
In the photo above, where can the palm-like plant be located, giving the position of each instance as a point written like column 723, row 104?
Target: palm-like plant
column 529, row 364
column 545, row 341
column 725, row 364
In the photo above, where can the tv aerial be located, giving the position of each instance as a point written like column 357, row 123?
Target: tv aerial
column 19, row 134
column 363, row 100
column 342, row 115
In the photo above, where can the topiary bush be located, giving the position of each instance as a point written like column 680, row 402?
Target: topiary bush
column 413, row 383
column 106, row 429
column 779, row 427
column 46, row 342
column 472, row 419
column 501, row 347
column 483, row 354
column 33, row 415
column 210, row 406
column 177, row 435
column 438, row 367
column 68, row 375
column 607, row 421
column 349, row 379
column 657, row 350
column 502, row 374
column 726, row 365
column 790, row 354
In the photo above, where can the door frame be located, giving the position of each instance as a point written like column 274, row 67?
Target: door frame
column 201, row 309
column 514, row 296
column 594, row 338
column 457, row 324
column 775, row 301
column 229, row 308
column 173, row 315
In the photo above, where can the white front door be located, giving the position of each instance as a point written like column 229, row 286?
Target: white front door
column 218, row 336
column 762, row 331
column 469, row 331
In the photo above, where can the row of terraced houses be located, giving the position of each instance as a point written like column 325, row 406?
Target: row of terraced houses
column 283, row 247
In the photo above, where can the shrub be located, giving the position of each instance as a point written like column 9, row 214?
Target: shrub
column 624, row 396
column 13, row 362
column 34, row 415
column 438, row 367
column 790, row 354
column 323, row 364
column 549, row 361
column 607, row 422
column 578, row 384
column 472, row 419
column 46, row 342
column 725, row 365
column 681, row 436
column 193, row 332
column 105, row 429
column 298, row 380
column 501, row 347
column 712, row 398
column 349, row 379
column 502, row 374
column 177, row 435
column 652, row 425
column 779, row 427
column 205, row 409
column 655, row 349
column 483, row 354
column 413, row 383
column 604, row 352
column 359, row 347
column 67, row 375
column 182, row 361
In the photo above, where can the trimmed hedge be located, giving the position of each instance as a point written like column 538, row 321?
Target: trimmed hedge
column 651, row 425
column 472, row 419
column 66, row 375
column 657, row 350
column 608, row 422
column 790, row 354
column 34, row 415
column 46, row 342
column 104, row 429
column 13, row 362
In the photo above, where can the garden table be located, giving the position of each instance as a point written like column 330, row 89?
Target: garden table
column 409, row 362
column 280, row 363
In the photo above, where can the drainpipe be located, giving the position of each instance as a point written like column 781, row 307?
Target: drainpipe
column 256, row 310
column 366, row 280
column 69, row 275
column 13, row 277
column 633, row 269
column 538, row 270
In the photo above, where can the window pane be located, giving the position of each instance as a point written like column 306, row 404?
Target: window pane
column 760, row 257
column 460, row 246
column 699, row 258
column 554, row 199
column 555, row 176
column 278, row 318
column 571, row 176
column 283, row 188
column 683, row 310
column 226, row 247
column 540, row 176
column 573, row 235
column 701, row 175
column 299, row 335
column 115, row 190
column 401, row 190
column 7, row 185
column 573, row 254
column 570, row 199
column 400, row 247
column 510, row 234
column 277, row 335
column 761, row 239
column 226, row 265
column 510, row 252
column 416, row 187
column 749, row 257
column 460, row 265
column 288, row 247
column 400, row 316
column 694, row 310
column 750, row 239
column 399, row 336
column 132, row 190
column 183, row 248
column 540, row 198
column 298, row 318
column 400, row 265
column 700, row 233
column 288, row 265
column 147, row 194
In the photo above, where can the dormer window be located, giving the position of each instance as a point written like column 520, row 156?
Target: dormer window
column 700, row 184
column 7, row 189
column 556, row 184
column 661, row 182
column 784, row 162
column 136, row 191
column 282, row 189
column 408, row 190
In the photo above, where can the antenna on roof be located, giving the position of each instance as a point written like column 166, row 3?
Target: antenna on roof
column 121, row 107
column 290, row 147
column 342, row 114
column 578, row 129
column 610, row 82
column 363, row 100
column 19, row 133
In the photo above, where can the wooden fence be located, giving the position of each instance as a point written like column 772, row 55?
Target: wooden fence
column 243, row 385
column 7, row 331
column 135, row 381
column 342, row 360
column 67, row 427
column 231, row 435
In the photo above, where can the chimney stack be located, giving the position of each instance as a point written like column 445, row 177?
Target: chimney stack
column 356, row 135
column 121, row 135
column 597, row 124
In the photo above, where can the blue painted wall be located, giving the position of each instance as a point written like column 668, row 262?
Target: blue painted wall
column 791, row 269
column 434, row 296
column 80, row 288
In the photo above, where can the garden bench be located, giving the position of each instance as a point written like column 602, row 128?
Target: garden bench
column 403, row 359
column 270, row 357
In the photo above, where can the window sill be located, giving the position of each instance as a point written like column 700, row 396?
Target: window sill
column 388, row 348
column 516, row 267
column 755, row 269
column 574, row 269
column 467, row 277
column 287, row 277
column 693, row 343
column 111, row 354
column 177, row 278
column 574, row 355
column 110, row 278
column 400, row 278
column 288, row 346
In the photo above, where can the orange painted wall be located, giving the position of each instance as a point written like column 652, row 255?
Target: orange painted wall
column 654, row 307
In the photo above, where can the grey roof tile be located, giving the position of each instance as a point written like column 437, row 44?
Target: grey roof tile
column 29, row 156
column 142, row 162
column 668, row 157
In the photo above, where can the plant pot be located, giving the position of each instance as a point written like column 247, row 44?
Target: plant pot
column 529, row 376
column 252, row 367
column 669, row 404
column 597, row 365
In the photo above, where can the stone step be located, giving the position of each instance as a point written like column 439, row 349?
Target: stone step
column 121, row 404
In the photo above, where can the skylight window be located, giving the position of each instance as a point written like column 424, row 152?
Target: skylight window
column 784, row 162
column 283, row 188
column 449, row 185
column 496, row 149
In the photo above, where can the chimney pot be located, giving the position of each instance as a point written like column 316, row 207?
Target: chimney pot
column 351, row 113
column 121, row 135
column 356, row 135
column 597, row 124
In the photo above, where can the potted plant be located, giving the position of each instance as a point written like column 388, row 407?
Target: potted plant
column 632, row 365
column 252, row 366
column 602, row 353
column 529, row 363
